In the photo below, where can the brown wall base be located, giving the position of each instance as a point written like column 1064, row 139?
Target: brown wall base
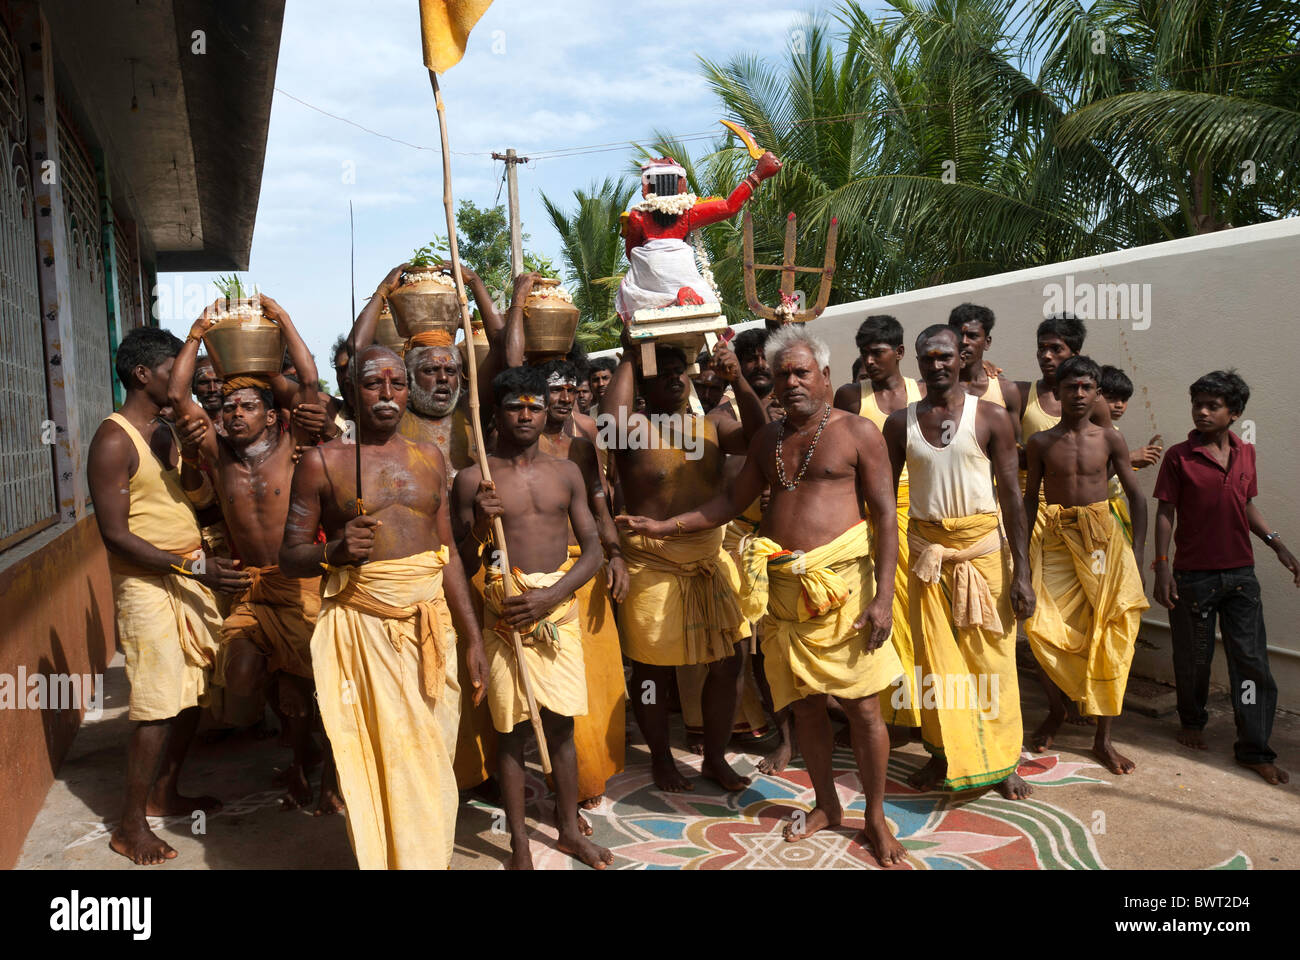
column 56, row 617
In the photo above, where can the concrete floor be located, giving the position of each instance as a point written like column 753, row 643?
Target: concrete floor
column 1180, row 810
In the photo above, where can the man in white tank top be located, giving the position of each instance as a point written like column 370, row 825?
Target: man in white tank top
column 963, row 596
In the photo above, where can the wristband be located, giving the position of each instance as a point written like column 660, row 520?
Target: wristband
column 184, row 569
column 1156, row 562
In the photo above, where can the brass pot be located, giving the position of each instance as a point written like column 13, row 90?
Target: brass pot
column 421, row 307
column 386, row 332
column 245, row 345
column 549, row 323
column 481, row 345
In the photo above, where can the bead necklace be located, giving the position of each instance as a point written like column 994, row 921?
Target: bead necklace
column 807, row 457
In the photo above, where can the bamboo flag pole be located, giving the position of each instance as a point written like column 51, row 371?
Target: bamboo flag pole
column 498, row 532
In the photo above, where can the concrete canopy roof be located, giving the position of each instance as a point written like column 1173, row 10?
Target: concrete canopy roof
column 186, row 160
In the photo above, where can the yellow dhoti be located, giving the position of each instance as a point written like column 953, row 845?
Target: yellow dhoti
column 960, row 612
column 1090, row 603
column 599, row 735
column 750, row 717
column 167, row 629
column 812, row 600
column 384, row 655
column 476, row 741
column 552, row 654
column 907, row 712
column 682, row 604
column 277, row 614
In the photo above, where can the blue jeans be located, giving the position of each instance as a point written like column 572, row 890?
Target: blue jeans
column 1232, row 598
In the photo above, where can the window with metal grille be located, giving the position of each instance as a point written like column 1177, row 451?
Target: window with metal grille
column 86, row 280
column 128, row 280
column 27, row 497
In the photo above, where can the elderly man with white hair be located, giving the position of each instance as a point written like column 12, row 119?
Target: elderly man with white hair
column 434, row 413
column 826, row 608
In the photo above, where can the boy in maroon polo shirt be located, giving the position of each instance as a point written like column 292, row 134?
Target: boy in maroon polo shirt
column 1209, row 482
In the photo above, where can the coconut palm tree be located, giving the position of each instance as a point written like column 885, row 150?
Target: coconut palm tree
column 1197, row 100
column 921, row 133
column 591, row 248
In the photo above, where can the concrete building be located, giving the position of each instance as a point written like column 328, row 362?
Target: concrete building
column 133, row 135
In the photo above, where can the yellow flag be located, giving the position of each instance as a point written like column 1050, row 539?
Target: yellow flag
column 446, row 25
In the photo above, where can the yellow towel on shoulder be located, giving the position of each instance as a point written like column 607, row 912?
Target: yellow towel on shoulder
column 1090, row 603
column 812, row 599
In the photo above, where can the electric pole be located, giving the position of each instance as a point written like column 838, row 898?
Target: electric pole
column 512, row 160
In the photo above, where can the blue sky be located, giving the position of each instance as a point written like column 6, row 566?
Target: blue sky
column 537, row 76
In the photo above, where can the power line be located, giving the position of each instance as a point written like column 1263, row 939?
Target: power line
column 373, row 133
column 616, row 145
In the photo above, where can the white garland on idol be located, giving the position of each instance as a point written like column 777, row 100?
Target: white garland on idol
column 696, row 237
column 677, row 204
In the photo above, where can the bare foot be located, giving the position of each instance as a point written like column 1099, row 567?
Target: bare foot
column 330, row 802
column 777, row 760
column 695, row 743
column 521, row 858
column 1271, row 772
column 1192, row 738
column 1045, row 735
column 1112, row 759
column 591, row 803
column 668, row 776
column 1013, row 788
column 583, row 826
column 800, row 828
column 174, row 805
column 722, row 774
column 884, row 846
column 298, row 793
column 580, row 848
column 140, row 845
column 930, row 776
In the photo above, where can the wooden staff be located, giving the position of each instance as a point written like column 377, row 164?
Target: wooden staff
column 353, row 365
column 498, row 531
